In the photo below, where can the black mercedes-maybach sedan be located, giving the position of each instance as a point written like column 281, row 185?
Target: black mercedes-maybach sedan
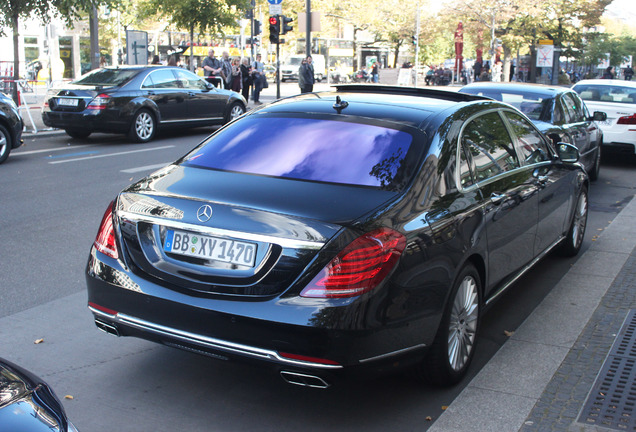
column 138, row 101
column 359, row 229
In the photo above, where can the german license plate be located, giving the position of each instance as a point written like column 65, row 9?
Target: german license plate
column 607, row 122
column 210, row 248
column 67, row 102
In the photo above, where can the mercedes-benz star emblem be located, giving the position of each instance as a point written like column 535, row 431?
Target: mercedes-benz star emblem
column 204, row 213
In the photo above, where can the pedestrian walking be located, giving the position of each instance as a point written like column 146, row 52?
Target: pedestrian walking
column 375, row 72
column 236, row 83
column 307, row 71
column 246, row 75
column 213, row 69
column 609, row 73
column 226, row 65
column 258, row 75
column 301, row 76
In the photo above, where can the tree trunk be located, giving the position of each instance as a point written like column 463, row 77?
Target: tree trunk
column 506, row 63
column 397, row 53
column 192, row 47
column 16, row 57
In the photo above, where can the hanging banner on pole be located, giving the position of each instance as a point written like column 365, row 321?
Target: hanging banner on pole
column 545, row 54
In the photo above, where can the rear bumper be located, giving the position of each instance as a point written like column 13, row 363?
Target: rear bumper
column 92, row 120
column 324, row 340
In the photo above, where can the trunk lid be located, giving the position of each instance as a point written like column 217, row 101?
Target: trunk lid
column 229, row 233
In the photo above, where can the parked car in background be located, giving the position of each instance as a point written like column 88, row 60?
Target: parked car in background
column 27, row 403
column 617, row 99
column 557, row 111
column 11, row 126
column 138, row 100
column 361, row 229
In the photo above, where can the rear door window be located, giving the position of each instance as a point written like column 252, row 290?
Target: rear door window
column 488, row 142
column 312, row 149
column 531, row 146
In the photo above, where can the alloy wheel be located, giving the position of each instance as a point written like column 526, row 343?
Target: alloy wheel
column 144, row 126
column 463, row 323
column 4, row 144
column 580, row 220
column 237, row 111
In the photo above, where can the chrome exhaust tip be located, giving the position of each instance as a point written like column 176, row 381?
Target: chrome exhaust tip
column 304, row 380
column 107, row 328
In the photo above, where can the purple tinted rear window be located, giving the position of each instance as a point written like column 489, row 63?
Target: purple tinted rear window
column 309, row 149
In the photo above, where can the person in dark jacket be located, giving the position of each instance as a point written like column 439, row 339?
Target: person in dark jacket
column 609, row 73
column 246, row 73
column 307, row 72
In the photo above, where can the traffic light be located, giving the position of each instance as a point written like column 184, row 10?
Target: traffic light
column 284, row 23
column 274, row 29
column 257, row 27
column 414, row 39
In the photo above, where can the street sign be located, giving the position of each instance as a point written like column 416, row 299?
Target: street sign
column 545, row 54
column 275, row 9
column 274, row 2
column 137, row 47
column 546, row 42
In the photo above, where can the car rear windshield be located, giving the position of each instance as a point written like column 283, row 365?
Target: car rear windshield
column 311, row 149
column 606, row 93
column 107, row 77
column 535, row 105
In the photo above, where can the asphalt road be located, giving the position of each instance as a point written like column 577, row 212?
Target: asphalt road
column 54, row 192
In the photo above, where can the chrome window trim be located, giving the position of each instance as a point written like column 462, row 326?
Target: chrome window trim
column 513, row 137
column 263, row 238
column 192, row 120
column 205, row 341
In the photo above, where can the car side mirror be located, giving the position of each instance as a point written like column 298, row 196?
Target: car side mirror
column 567, row 152
column 599, row 116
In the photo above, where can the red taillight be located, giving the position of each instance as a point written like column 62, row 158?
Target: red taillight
column 628, row 120
column 307, row 358
column 360, row 267
column 105, row 240
column 99, row 102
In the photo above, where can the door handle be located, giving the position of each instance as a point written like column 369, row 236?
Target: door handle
column 497, row 198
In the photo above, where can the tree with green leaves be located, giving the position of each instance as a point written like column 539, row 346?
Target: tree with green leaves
column 12, row 11
column 207, row 16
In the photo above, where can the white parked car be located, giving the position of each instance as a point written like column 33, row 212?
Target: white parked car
column 617, row 98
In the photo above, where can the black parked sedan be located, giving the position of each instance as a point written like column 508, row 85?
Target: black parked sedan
column 27, row 403
column 358, row 229
column 558, row 112
column 11, row 126
column 137, row 100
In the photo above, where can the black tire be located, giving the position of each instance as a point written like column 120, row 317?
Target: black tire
column 6, row 144
column 143, row 127
column 593, row 174
column 573, row 240
column 77, row 133
column 235, row 110
column 453, row 349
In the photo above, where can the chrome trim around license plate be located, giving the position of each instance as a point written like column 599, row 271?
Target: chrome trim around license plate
column 205, row 341
column 168, row 223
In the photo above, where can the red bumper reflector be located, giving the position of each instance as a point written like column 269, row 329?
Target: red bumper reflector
column 308, row 359
column 102, row 308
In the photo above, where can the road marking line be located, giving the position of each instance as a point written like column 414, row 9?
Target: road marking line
column 90, row 152
column 111, row 154
column 28, row 152
column 144, row 168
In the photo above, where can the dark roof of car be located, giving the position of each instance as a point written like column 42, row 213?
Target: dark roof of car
column 407, row 105
column 513, row 87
